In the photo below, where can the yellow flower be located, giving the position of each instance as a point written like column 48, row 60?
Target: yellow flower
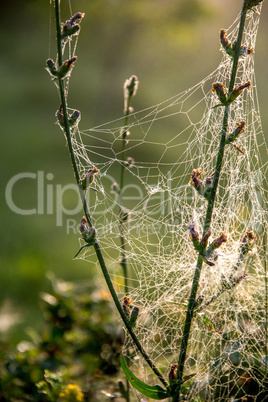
column 72, row 393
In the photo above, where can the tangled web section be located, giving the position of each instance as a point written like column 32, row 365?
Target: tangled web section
column 167, row 142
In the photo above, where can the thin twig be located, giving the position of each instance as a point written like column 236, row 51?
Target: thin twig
column 85, row 206
column 195, row 283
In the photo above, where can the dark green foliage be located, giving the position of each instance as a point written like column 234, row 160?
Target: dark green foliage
column 80, row 342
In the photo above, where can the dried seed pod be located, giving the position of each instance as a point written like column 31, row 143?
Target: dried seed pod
column 221, row 91
column 66, row 67
column 238, row 91
column 70, row 27
column 195, row 179
column 89, row 177
column 240, row 128
column 172, row 375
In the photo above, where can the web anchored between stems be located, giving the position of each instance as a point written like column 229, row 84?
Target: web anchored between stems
column 173, row 148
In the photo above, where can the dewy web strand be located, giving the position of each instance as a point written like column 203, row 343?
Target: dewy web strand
column 162, row 202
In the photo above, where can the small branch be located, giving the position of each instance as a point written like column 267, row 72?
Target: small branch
column 208, row 218
column 85, row 206
column 130, row 89
column 228, row 286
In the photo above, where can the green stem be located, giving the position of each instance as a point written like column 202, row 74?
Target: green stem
column 122, row 225
column 208, row 218
column 265, row 252
column 121, row 203
column 86, row 210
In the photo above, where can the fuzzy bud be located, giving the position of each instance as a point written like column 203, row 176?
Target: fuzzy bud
column 66, row 67
column 220, row 90
column 172, row 376
column 125, row 305
column 131, row 86
column 51, row 67
column 88, row 234
column 205, row 238
column 70, row 27
column 226, row 43
column 230, row 48
column 245, row 50
column 210, row 255
column 240, row 128
column 195, row 179
column 193, row 233
column 200, row 299
column 218, row 241
column 84, row 229
column 237, row 91
column 89, row 177
column 130, row 89
column 247, row 242
column 74, row 118
column 194, row 236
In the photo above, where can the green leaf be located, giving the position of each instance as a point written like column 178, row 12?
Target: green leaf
column 154, row 392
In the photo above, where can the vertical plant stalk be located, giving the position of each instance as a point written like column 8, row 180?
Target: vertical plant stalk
column 122, row 224
column 121, row 201
column 265, row 252
column 208, row 218
column 85, row 205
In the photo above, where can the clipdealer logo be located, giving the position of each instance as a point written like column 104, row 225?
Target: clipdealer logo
column 50, row 199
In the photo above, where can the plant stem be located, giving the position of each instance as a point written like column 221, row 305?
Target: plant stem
column 121, row 203
column 85, row 206
column 208, row 218
column 265, row 251
column 122, row 225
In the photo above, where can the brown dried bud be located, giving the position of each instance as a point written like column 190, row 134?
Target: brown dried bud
column 220, row 90
column 240, row 128
column 51, row 67
column 69, row 27
column 226, row 43
column 219, row 241
column 77, row 17
column 66, row 67
column 205, row 238
column 84, row 229
column 237, row 91
column 193, row 233
column 172, row 376
column 125, row 305
column 195, row 176
column 247, row 242
column 89, row 177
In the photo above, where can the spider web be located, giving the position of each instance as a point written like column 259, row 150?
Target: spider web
column 227, row 350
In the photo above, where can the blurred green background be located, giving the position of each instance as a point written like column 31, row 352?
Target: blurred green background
column 169, row 44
